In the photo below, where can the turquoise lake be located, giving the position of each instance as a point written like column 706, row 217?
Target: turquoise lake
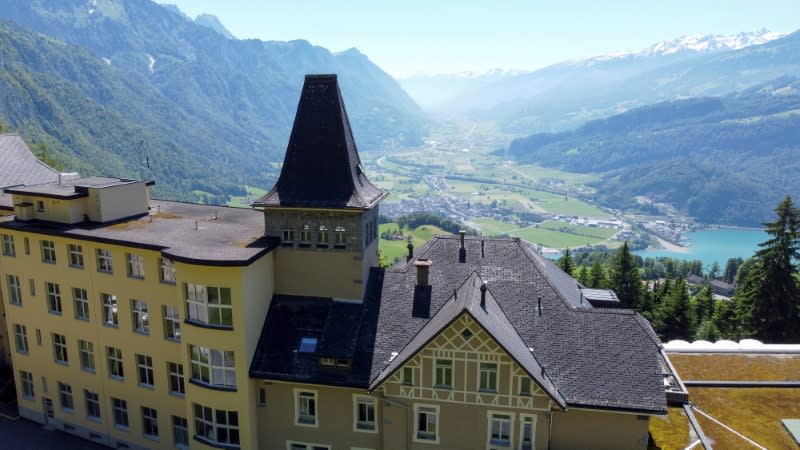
column 715, row 245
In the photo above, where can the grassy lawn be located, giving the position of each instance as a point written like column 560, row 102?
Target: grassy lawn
column 557, row 204
column 554, row 239
column 392, row 249
column 736, row 367
column 671, row 432
column 493, row 227
column 566, row 227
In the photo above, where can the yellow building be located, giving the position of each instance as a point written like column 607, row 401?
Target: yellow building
column 152, row 324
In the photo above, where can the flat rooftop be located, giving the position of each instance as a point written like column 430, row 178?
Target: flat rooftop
column 187, row 232
column 70, row 188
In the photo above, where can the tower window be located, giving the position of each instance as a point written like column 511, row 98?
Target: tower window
column 288, row 237
column 305, row 236
column 339, row 237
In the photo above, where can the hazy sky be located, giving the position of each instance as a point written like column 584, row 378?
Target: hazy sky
column 433, row 36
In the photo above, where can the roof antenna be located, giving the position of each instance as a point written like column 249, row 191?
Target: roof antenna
column 539, row 306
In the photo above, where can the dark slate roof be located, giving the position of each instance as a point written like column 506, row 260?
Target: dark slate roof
column 595, row 357
column 467, row 300
column 71, row 188
column 344, row 330
column 188, row 232
column 321, row 168
column 19, row 166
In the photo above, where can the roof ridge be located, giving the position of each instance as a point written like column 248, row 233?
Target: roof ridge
column 526, row 251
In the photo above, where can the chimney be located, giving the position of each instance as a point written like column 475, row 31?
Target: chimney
column 483, row 295
column 423, row 266
column 410, row 248
column 462, row 252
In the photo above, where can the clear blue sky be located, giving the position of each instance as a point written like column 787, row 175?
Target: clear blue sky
column 435, row 36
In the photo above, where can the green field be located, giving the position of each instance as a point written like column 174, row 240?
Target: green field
column 253, row 193
column 554, row 239
column 566, row 227
column 392, row 250
column 492, row 227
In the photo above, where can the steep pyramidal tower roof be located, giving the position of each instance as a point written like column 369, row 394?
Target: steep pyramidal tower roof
column 322, row 168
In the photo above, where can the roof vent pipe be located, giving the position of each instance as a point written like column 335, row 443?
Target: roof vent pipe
column 423, row 267
column 539, row 306
column 483, row 296
column 462, row 252
column 482, row 243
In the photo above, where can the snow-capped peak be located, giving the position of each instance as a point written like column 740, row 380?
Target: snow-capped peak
column 697, row 43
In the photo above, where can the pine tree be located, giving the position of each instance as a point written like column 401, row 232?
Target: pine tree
column 704, row 304
column 624, row 279
column 597, row 277
column 713, row 272
column 731, row 267
column 769, row 296
column 676, row 313
column 567, row 264
column 583, row 276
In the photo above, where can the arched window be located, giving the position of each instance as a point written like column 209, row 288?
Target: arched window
column 339, row 236
column 322, row 236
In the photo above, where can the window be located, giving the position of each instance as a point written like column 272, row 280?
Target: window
column 110, row 311
column 216, row 425
column 527, row 432
column 444, row 373
column 8, row 245
column 141, row 320
column 211, row 305
column 86, row 349
column 32, row 285
column 27, row 384
column 40, row 205
column 364, row 411
column 339, row 236
column 14, row 290
column 48, row 252
column 92, row 404
column 115, row 363
column 305, row 408
column 27, row 243
column 525, row 386
column 120, row 410
column 427, row 423
column 75, row 256
column 211, row 366
column 104, row 262
column 65, row 395
column 81, row 300
column 328, row 362
column 150, row 422
column 304, row 446
column 499, row 430
column 288, row 236
column 21, row 338
column 487, row 377
column 180, row 432
column 322, row 236
column 60, row 348
column 176, row 385
column 172, row 324
column 308, row 345
column 38, row 337
column 262, row 396
column 305, row 234
column 408, row 376
column 144, row 365
column 135, row 265
column 167, row 271
column 53, row 298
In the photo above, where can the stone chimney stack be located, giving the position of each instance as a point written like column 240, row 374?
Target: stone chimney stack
column 462, row 252
column 423, row 268
column 483, row 295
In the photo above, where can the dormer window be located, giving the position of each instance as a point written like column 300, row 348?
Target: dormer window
column 339, row 237
column 40, row 205
column 322, row 237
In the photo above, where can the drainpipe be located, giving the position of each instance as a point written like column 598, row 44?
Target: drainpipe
column 409, row 420
column 550, row 431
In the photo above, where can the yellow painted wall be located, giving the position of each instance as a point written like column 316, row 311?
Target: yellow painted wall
column 56, row 210
column 317, row 273
column 599, row 430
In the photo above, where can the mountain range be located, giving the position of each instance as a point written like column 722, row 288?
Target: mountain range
column 91, row 79
column 726, row 159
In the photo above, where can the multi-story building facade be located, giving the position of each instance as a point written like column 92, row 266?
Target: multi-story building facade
column 153, row 324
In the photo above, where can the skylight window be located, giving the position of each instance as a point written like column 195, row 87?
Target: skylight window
column 308, row 345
